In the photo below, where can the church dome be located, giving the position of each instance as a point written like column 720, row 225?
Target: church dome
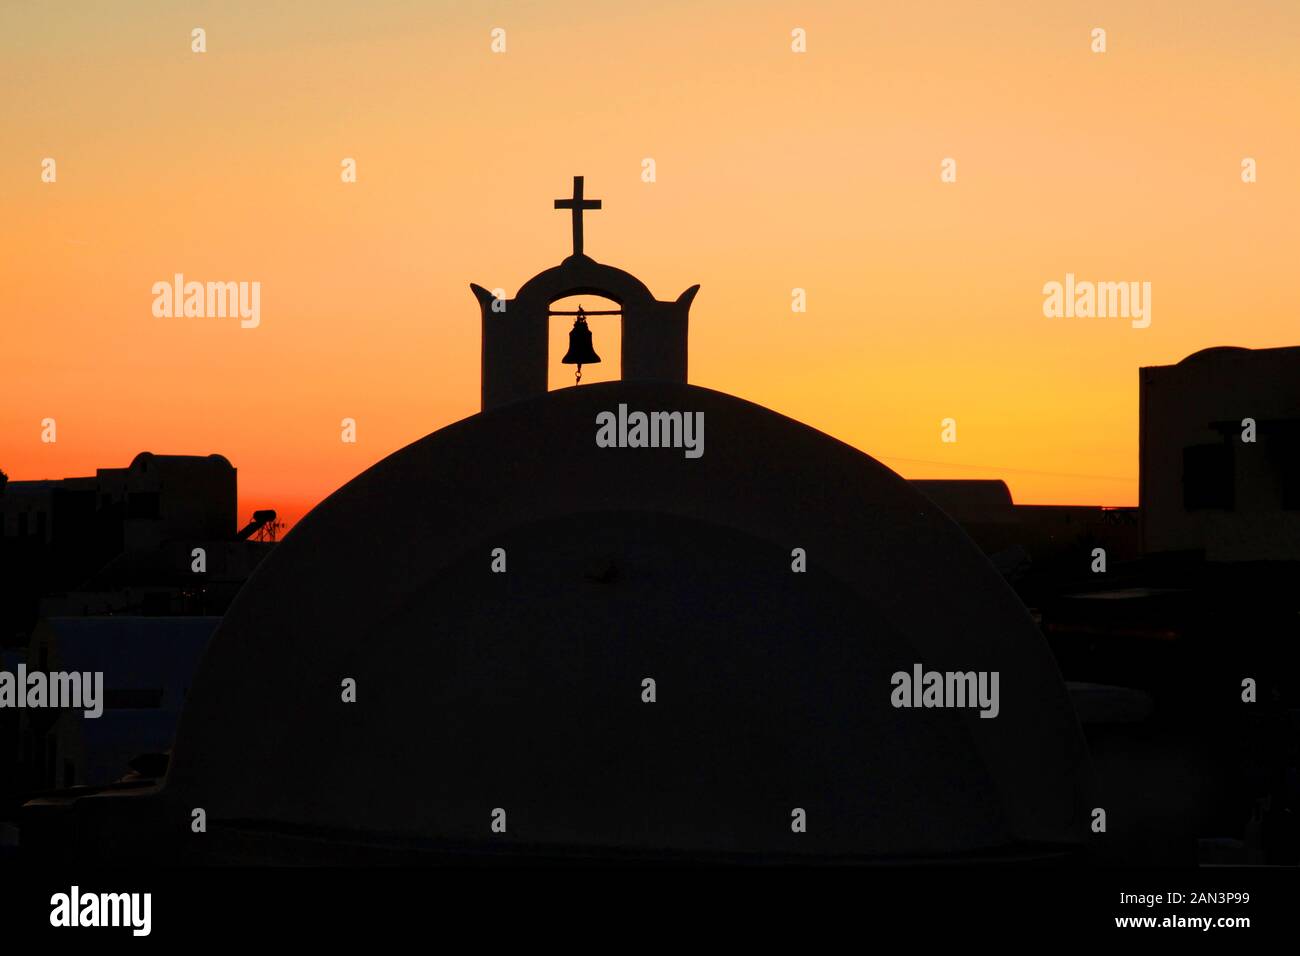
column 523, row 690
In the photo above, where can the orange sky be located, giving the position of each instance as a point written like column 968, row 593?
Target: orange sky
column 775, row 170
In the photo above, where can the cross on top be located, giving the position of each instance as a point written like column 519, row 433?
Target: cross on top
column 577, row 204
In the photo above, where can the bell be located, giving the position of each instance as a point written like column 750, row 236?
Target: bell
column 580, row 351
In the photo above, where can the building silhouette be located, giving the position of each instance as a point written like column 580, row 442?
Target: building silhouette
column 1220, row 455
column 512, row 639
column 120, row 542
column 497, row 595
column 99, row 574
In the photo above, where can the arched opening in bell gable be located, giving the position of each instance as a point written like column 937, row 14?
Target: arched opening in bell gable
column 604, row 321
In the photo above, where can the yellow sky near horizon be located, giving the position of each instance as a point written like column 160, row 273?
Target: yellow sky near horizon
column 775, row 170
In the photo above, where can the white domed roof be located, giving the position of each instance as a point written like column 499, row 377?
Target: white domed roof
column 523, row 690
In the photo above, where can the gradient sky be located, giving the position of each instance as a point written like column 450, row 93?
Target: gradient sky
column 775, row 170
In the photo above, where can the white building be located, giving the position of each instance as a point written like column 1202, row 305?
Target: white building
column 1220, row 455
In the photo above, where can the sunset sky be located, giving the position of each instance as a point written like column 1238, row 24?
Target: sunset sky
column 775, row 170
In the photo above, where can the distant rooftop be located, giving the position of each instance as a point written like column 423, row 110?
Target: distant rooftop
column 1219, row 352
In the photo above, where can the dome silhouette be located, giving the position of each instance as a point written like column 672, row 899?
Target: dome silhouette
column 523, row 690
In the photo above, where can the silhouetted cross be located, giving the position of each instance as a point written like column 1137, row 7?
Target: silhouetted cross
column 577, row 204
